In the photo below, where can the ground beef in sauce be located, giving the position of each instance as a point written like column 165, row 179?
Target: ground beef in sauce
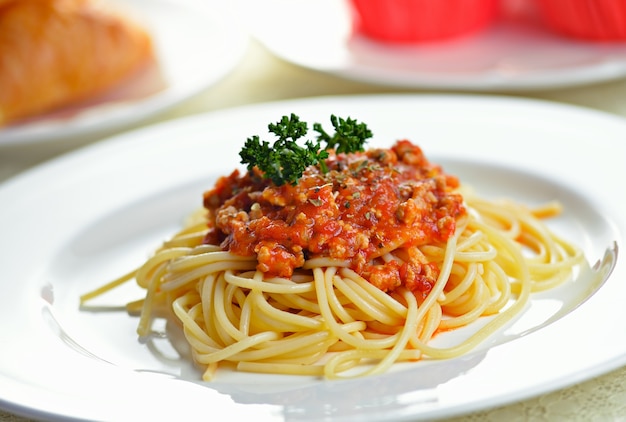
column 366, row 205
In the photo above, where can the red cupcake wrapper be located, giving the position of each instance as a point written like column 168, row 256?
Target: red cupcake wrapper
column 600, row 20
column 421, row 20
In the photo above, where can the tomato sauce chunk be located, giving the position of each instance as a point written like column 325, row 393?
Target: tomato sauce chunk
column 367, row 205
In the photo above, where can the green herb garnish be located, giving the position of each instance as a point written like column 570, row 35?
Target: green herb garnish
column 349, row 136
column 285, row 160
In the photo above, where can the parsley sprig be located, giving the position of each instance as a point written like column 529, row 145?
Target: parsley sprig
column 285, row 160
column 349, row 136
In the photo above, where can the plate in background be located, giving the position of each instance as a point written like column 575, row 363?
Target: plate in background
column 195, row 48
column 509, row 56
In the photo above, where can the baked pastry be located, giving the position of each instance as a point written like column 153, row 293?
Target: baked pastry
column 58, row 52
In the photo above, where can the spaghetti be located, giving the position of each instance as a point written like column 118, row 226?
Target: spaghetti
column 348, row 271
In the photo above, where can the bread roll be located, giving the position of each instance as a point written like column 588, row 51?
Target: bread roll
column 58, row 52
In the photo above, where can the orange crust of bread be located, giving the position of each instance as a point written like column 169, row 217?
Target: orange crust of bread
column 58, row 52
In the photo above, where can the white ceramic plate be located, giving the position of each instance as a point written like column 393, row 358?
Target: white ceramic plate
column 509, row 56
column 195, row 48
column 73, row 223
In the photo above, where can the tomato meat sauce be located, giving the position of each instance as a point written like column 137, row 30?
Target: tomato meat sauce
column 365, row 206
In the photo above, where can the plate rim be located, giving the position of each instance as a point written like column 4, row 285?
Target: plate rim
column 118, row 140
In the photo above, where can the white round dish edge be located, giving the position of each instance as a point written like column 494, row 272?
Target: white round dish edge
column 175, row 161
